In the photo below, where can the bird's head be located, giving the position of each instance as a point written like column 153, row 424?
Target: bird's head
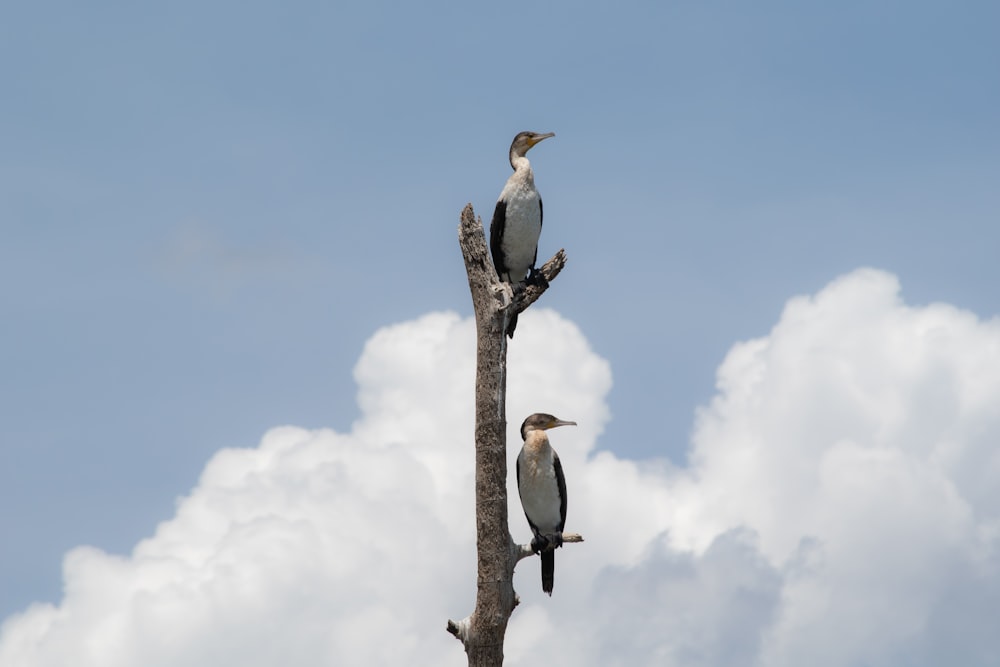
column 524, row 141
column 541, row 421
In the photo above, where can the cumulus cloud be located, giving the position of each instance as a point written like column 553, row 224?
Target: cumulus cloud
column 858, row 435
column 841, row 506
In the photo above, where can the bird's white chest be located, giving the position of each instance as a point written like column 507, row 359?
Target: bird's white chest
column 539, row 489
column 522, row 225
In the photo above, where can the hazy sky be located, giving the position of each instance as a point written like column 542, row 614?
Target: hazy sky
column 208, row 211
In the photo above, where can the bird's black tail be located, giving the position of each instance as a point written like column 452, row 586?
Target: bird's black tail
column 548, row 570
column 511, row 325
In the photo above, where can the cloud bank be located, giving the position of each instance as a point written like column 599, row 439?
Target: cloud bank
column 840, row 506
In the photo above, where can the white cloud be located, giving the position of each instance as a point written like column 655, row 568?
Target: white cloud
column 861, row 428
column 841, row 506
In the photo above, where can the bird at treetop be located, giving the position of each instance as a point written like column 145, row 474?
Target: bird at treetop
column 542, row 488
column 517, row 219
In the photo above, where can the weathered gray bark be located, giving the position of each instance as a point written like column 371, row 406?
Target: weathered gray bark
column 482, row 633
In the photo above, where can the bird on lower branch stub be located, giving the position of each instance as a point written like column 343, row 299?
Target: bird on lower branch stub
column 517, row 220
column 542, row 487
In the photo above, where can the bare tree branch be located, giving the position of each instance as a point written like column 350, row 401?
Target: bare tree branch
column 494, row 302
column 548, row 273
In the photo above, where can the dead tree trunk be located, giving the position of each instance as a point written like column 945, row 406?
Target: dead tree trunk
column 482, row 633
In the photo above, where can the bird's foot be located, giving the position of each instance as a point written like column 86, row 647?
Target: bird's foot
column 540, row 543
column 535, row 277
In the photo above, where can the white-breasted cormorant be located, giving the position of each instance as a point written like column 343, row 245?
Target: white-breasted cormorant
column 542, row 487
column 517, row 219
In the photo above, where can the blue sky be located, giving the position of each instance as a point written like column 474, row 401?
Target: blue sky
column 208, row 209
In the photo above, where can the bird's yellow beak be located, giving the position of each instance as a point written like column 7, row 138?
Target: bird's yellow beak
column 538, row 138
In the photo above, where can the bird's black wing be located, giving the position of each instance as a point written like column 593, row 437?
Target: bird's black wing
column 541, row 218
column 561, row 482
column 496, row 237
column 548, row 556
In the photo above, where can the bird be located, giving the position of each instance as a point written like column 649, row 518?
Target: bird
column 542, row 487
column 517, row 219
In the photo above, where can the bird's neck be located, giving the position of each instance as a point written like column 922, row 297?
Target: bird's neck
column 536, row 444
column 522, row 169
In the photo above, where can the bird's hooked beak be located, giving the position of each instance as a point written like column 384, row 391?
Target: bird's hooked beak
column 535, row 140
column 559, row 422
